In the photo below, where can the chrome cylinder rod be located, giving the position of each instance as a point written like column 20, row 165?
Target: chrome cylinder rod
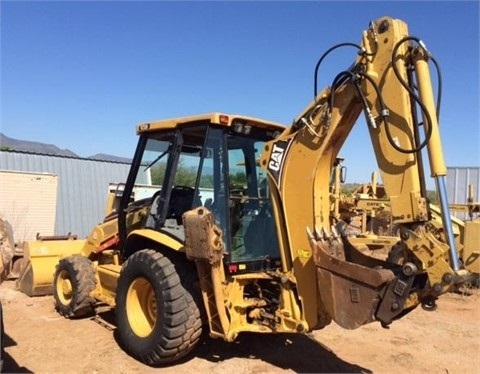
column 447, row 222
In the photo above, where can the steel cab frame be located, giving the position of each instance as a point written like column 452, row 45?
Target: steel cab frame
column 209, row 160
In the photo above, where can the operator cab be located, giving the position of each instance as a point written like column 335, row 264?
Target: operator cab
column 201, row 163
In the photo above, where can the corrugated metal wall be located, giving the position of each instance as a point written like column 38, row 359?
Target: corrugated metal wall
column 82, row 186
column 458, row 180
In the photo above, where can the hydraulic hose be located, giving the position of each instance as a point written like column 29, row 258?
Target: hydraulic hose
column 345, row 75
column 317, row 66
column 414, row 96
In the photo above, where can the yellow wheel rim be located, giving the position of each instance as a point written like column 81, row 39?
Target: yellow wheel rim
column 141, row 307
column 64, row 288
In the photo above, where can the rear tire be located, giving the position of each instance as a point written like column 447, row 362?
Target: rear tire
column 157, row 319
column 73, row 281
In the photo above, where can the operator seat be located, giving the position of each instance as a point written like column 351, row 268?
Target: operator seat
column 181, row 200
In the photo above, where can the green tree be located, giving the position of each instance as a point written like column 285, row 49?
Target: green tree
column 238, row 180
column 186, row 176
column 157, row 173
column 432, row 197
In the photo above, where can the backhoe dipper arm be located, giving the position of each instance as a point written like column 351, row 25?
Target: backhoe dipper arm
column 389, row 67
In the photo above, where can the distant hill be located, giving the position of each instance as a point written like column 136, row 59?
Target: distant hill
column 10, row 144
column 110, row 158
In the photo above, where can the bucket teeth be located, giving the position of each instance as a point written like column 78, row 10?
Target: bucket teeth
column 321, row 234
column 311, row 235
column 318, row 233
column 335, row 234
column 326, row 234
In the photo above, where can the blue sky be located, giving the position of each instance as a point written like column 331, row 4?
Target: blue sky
column 81, row 75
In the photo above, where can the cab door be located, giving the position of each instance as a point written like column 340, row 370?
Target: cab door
column 164, row 181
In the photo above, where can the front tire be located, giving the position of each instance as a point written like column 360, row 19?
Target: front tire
column 158, row 321
column 73, row 281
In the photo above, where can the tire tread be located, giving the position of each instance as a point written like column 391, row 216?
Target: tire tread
column 83, row 280
column 181, row 324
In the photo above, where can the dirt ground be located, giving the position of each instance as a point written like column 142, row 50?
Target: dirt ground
column 447, row 340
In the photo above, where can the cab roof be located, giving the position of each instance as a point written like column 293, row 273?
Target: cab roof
column 216, row 118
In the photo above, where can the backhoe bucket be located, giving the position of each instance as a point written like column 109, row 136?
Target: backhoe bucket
column 351, row 292
column 354, row 288
column 41, row 257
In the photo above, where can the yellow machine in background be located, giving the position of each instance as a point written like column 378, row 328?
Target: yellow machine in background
column 467, row 232
column 367, row 210
column 239, row 234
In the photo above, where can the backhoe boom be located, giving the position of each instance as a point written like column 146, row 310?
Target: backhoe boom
column 380, row 84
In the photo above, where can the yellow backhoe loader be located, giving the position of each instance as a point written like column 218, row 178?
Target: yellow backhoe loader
column 238, row 235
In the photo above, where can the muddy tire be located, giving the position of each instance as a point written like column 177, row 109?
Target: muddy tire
column 158, row 321
column 73, row 280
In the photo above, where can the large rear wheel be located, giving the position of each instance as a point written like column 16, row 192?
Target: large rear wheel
column 73, row 281
column 158, row 321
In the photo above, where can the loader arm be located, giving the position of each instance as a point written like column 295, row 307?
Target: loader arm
column 389, row 67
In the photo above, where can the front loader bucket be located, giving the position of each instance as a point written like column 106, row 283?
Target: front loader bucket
column 41, row 257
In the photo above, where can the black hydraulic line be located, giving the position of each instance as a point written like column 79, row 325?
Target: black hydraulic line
column 340, row 78
column 383, row 108
column 317, row 66
column 437, row 68
column 413, row 95
column 343, row 77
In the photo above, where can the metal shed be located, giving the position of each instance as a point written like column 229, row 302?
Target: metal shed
column 82, row 186
column 458, row 180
